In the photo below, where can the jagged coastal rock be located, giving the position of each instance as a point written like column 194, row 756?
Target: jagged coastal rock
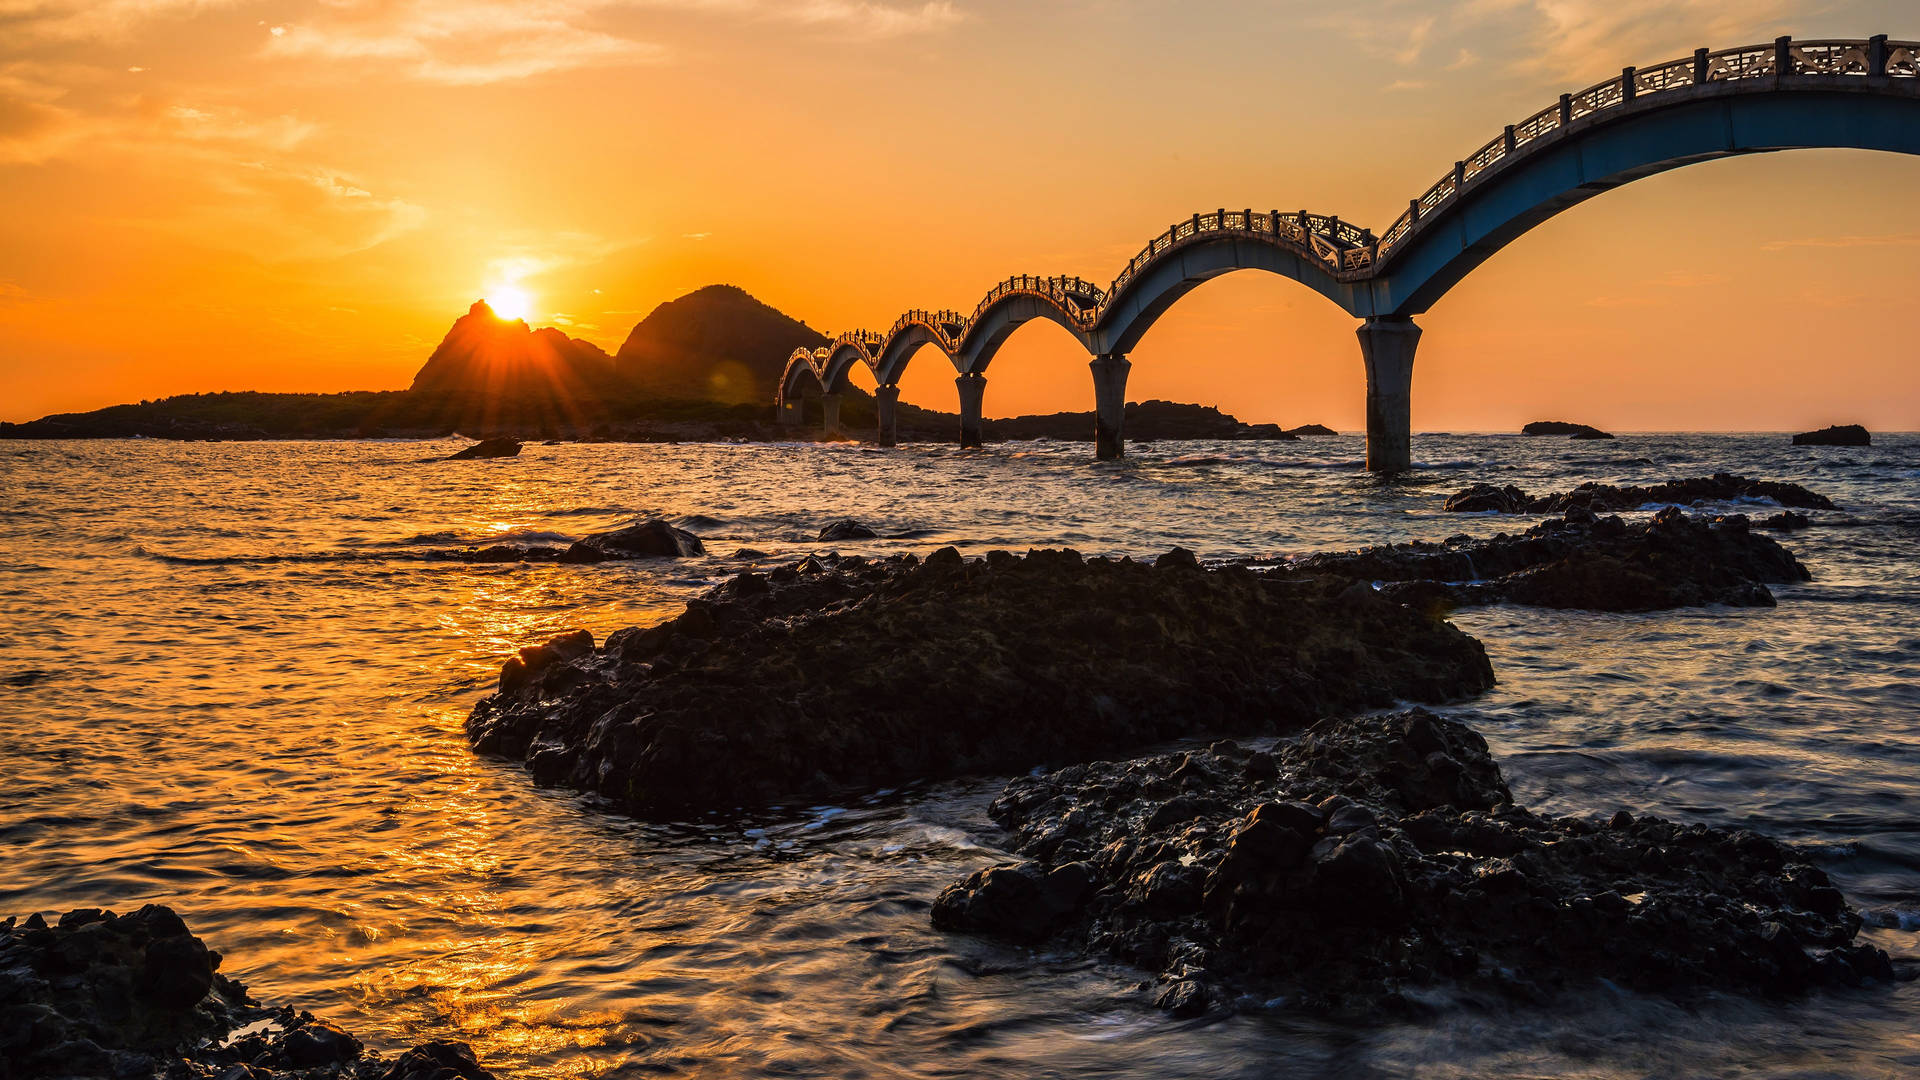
column 1603, row 498
column 1837, row 435
column 844, row 673
column 1579, row 561
column 1375, row 857
column 488, row 448
column 137, row 995
column 1562, row 427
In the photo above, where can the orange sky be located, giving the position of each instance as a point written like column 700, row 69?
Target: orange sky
column 281, row 195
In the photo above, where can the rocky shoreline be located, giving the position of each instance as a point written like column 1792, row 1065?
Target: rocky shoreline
column 136, row 996
column 1604, row 498
column 1373, row 860
column 1577, row 561
column 838, row 674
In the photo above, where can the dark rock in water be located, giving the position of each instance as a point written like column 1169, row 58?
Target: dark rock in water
column 1837, row 435
column 1562, row 427
column 1785, row 521
column 843, row 673
column 488, row 448
column 646, row 540
column 1579, row 561
column 1600, row 498
column 847, row 529
column 137, row 995
column 437, row 1061
column 1375, row 856
column 1311, row 429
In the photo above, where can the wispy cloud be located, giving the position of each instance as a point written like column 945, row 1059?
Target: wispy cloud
column 468, row 42
column 462, row 43
column 92, row 20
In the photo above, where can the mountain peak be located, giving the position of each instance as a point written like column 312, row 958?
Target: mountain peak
column 718, row 343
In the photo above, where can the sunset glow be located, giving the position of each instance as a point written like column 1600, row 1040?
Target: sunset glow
column 191, row 187
column 510, row 302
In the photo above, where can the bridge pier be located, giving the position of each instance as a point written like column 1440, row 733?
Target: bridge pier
column 830, row 414
column 886, row 399
column 973, row 392
column 1387, row 344
column 1109, row 405
column 792, row 411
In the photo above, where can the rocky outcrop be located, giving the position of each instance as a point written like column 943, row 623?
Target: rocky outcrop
column 843, row 673
column 1603, row 498
column 1837, row 435
column 1562, row 427
column 1143, row 421
column 488, row 448
column 1311, row 429
column 137, row 995
column 1579, row 561
column 1375, row 857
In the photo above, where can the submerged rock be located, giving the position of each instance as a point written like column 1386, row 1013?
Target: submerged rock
column 1562, row 427
column 1837, row 435
column 1578, row 561
column 654, row 539
column 488, row 448
column 847, row 529
column 137, row 995
column 844, row 673
column 1600, row 498
column 1375, row 856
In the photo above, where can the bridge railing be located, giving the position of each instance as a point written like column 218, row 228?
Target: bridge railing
column 1780, row 58
column 1341, row 246
column 1079, row 298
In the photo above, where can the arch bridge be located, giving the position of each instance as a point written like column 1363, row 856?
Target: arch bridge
column 1782, row 95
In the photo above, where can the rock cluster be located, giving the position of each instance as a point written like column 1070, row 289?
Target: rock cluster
column 1374, row 857
column 137, row 995
column 1579, row 561
column 846, row 673
column 1602, row 498
column 1837, row 435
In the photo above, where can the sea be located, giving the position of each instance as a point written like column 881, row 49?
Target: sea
column 233, row 677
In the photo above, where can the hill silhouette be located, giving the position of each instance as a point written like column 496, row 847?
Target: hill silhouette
column 713, row 344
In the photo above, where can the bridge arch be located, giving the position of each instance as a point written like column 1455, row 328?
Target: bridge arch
column 1628, row 141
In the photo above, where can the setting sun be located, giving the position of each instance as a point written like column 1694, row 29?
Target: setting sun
column 510, row 302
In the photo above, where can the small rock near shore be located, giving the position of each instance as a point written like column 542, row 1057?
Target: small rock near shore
column 488, row 448
column 847, row 529
column 653, row 539
column 1837, row 435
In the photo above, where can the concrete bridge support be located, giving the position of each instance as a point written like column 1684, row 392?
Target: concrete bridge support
column 830, row 414
column 792, row 411
column 973, row 391
column 1109, row 405
column 1387, row 344
column 887, row 400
